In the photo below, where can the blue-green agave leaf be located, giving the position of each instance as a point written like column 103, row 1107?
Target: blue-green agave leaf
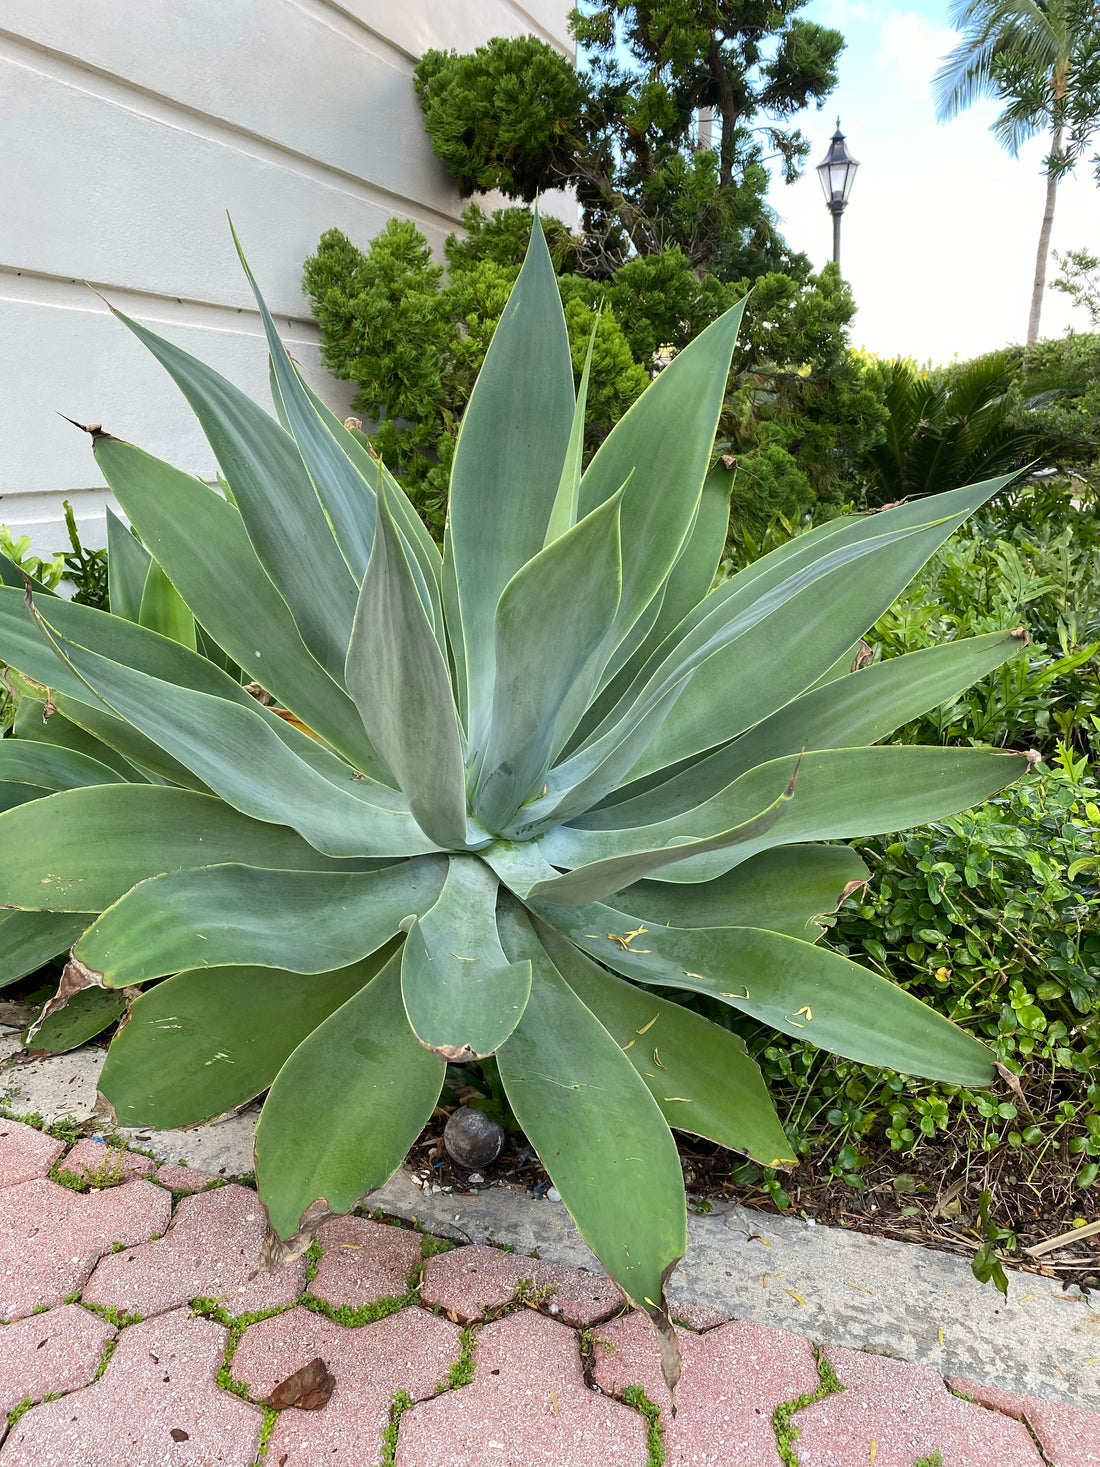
column 283, row 516
column 127, row 833
column 401, row 686
column 599, row 1133
column 301, row 921
column 508, row 461
column 462, row 994
column 551, row 623
column 699, row 1074
column 200, row 541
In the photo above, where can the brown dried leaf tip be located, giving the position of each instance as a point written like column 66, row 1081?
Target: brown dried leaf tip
column 276, row 1251
column 77, row 976
column 309, row 1388
column 95, row 429
column 864, row 656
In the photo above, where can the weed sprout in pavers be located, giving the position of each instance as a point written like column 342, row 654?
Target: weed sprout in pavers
column 512, row 800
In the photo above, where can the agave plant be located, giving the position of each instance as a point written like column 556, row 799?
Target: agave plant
column 514, row 800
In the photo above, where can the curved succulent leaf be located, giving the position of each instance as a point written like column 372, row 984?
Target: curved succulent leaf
column 128, row 564
column 595, row 879
column 846, row 712
column 302, row 921
column 806, row 991
column 12, row 793
column 224, row 743
column 795, row 621
column 699, row 1074
column 200, row 540
column 515, row 432
column 87, row 1013
column 597, row 1129
column 423, row 554
column 786, row 889
column 563, row 515
column 462, row 994
column 662, row 445
column 345, row 1107
column 129, row 832
column 15, row 577
column 29, row 939
column 163, row 609
column 50, row 766
column 33, row 724
column 898, row 786
column 37, row 673
column 401, row 686
column 342, row 492
column 284, row 519
column 209, row 1040
column 542, row 623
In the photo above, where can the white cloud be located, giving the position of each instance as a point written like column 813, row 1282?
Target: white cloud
column 912, row 47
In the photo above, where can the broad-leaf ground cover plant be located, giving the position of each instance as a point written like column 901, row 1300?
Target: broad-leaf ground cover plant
column 513, row 800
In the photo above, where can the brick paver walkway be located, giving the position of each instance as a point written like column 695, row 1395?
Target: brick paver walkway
column 136, row 1333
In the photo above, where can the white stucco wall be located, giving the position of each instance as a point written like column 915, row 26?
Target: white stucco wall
column 128, row 130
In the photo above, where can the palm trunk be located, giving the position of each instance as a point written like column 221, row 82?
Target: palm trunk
column 1044, row 246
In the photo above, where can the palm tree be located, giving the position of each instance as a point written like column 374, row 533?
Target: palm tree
column 1042, row 59
column 963, row 425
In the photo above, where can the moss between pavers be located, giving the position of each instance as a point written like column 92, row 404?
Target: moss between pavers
column 67, row 1129
column 107, row 1312
column 636, row 1397
column 399, row 1404
column 786, row 1432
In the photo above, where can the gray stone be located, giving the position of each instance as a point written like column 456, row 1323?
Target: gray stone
column 472, row 1138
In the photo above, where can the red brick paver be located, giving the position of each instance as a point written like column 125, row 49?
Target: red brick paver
column 50, row 1237
column 211, row 1251
column 363, row 1261
column 408, row 1351
column 183, row 1178
column 102, row 1165
column 469, row 1282
column 908, row 1413
column 157, row 1405
column 528, row 1406
column 25, row 1153
column 1068, row 1435
column 49, row 1353
column 733, row 1379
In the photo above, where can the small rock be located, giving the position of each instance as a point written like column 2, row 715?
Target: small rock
column 472, row 1138
column 475, row 1179
column 553, row 1195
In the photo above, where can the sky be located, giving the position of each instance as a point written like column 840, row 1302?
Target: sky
column 938, row 241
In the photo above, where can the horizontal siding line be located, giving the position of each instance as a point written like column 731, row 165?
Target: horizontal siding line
column 569, row 52
column 37, row 288
column 536, row 26
column 355, row 30
column 167, row 111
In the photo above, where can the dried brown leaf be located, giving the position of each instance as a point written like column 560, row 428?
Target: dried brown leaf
column 309, row 1388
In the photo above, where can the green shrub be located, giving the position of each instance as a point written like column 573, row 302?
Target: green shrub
column 1031, row 559
column 993, row 917
column 800, row 407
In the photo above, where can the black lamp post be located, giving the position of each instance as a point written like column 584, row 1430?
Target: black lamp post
column 837, row 171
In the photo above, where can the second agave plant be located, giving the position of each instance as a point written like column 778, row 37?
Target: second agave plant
column 514, row 800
